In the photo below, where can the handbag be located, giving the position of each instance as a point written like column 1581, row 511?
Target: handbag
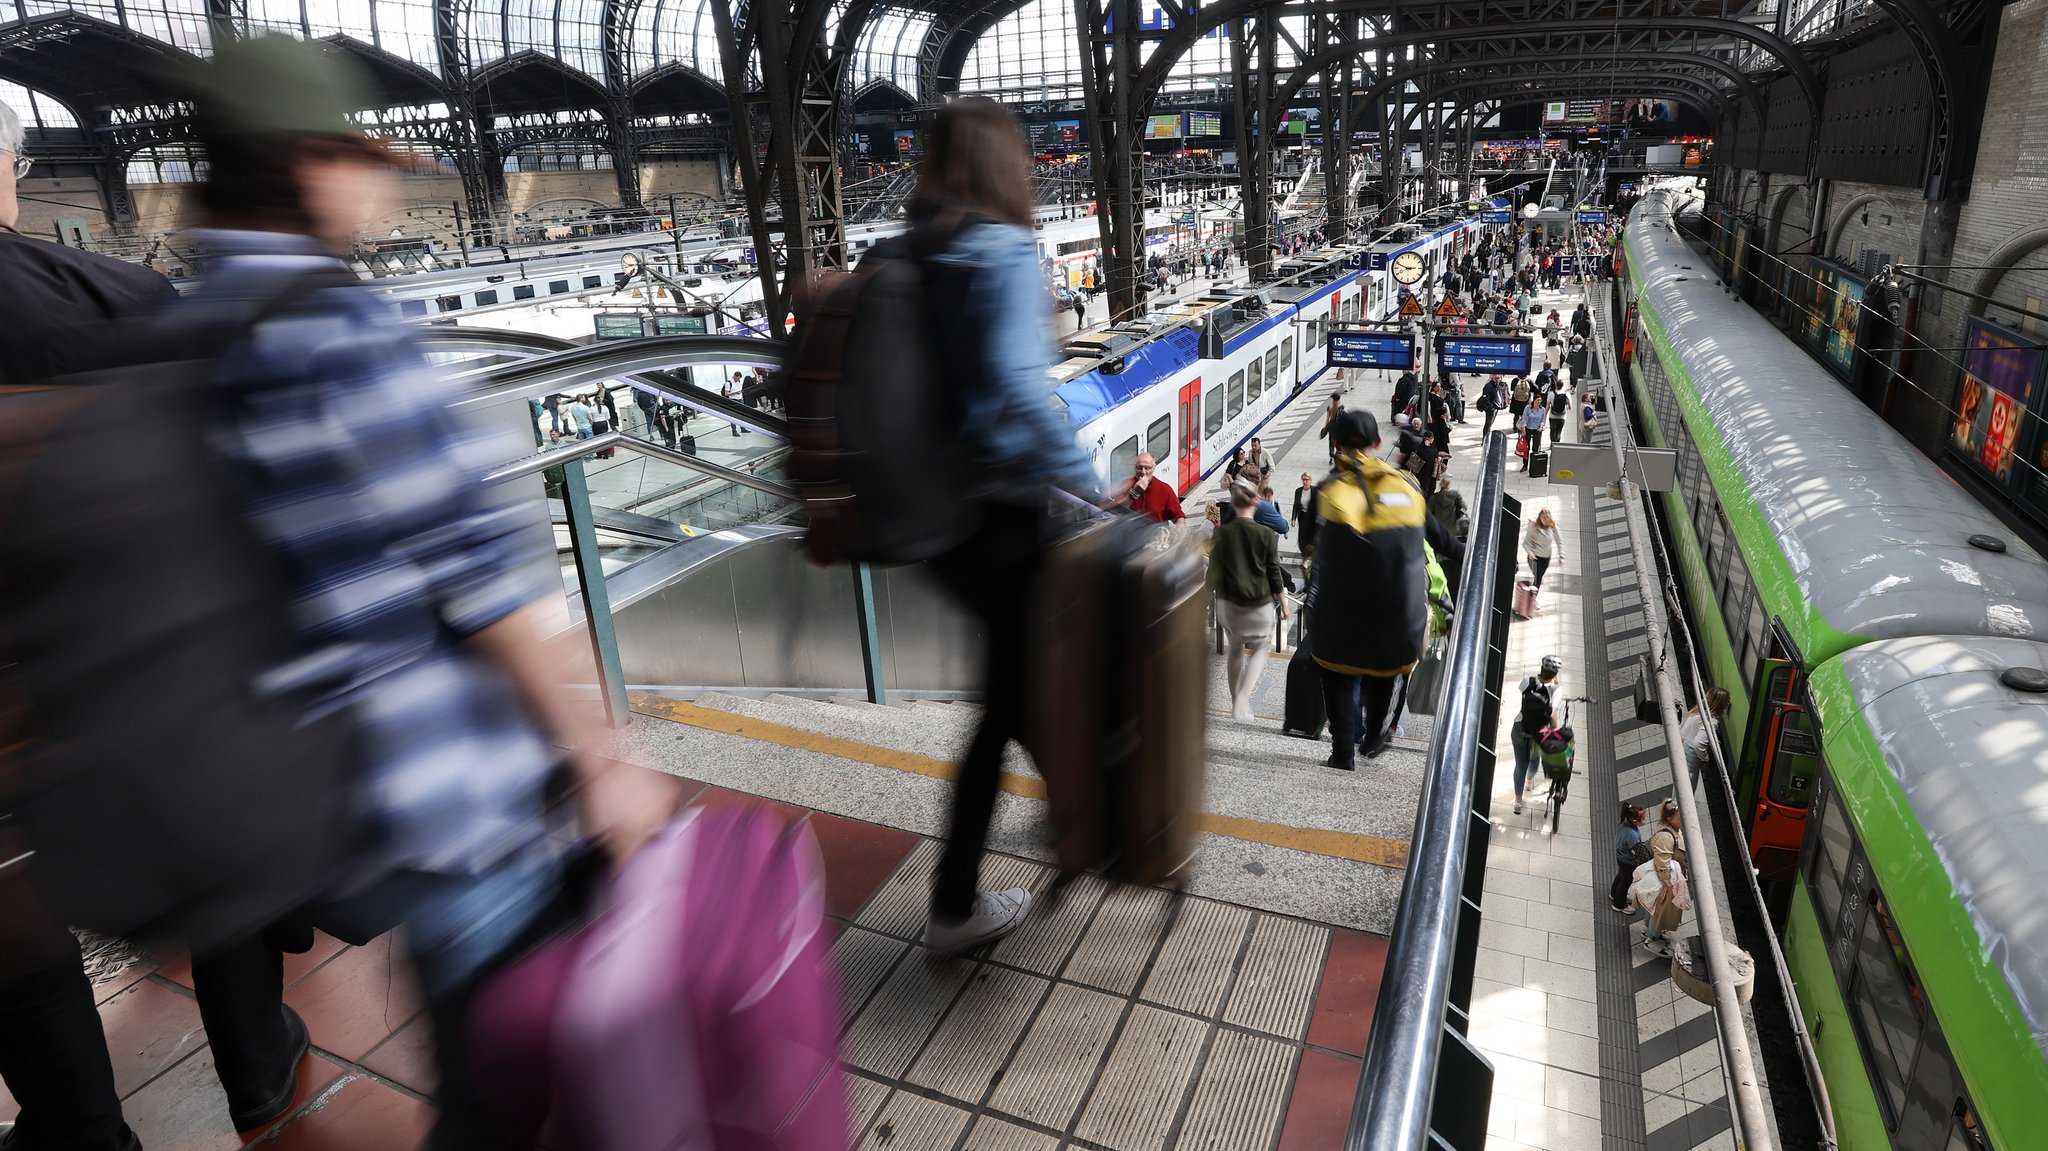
column 1425, row 680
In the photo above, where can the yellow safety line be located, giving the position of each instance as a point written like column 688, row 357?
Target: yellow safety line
column 1314, row 841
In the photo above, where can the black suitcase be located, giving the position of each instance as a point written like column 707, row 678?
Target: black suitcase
column 1305, row 715
column 1539, row 464
column 687, row 445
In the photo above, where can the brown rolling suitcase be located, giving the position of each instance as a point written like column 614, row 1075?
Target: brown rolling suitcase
column 1116, row 715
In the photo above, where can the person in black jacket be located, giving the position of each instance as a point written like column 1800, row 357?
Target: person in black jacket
column 1305, row 518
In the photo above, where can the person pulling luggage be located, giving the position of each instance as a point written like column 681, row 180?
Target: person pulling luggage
column 1244, row 575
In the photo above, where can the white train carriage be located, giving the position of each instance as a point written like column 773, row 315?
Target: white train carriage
column 1190, row 387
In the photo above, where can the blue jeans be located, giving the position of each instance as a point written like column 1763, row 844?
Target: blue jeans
column 1525, row 759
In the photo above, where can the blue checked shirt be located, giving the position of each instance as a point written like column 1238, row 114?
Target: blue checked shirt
column 367, row 488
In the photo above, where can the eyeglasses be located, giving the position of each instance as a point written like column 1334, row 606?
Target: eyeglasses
column 21, row 165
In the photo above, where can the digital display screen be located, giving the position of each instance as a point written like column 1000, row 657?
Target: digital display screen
column 1164, row 127
column 1499, row 216
column 906, row 141
column 618, row 326
column 680, row 325
column 1202, row 124
column 1503, row 354
column 1394, row 351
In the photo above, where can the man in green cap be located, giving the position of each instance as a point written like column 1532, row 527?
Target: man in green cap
column 418, row 588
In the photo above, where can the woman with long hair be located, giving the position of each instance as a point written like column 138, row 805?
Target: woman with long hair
column 1542, row 544
column 970, row 219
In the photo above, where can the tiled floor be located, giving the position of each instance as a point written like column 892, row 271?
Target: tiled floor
column 1132, row 1018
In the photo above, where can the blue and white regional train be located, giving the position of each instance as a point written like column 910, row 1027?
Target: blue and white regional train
column 1190, row 386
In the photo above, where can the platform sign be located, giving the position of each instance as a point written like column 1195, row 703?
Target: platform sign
column 1504, row 216
column 1379, row 262
column 1504, row 354
column 680, row 325
column 1410, row 306
column 619, row 326
column 1592, row 217
column 1567, row 265
column 1394, row 351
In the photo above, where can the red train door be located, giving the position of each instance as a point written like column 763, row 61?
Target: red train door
column 1190, row 435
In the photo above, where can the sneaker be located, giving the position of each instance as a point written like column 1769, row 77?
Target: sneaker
column 996, row 914
column 1518, row 807
column 1621, row 907
column 1658, row 947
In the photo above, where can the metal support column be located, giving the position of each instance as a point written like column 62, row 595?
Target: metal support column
column 1256, row 124
column 870, row 632
column 597, row 601
column 1109, row 60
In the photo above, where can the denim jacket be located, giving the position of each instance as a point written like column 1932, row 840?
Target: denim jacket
column 990, row 318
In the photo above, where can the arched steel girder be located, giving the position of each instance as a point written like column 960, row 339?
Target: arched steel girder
column 1382, row 88
column 955, row 36
column 1440, row 66
column 1176, row 42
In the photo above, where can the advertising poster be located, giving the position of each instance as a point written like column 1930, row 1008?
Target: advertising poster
column 1163, row 127
column 906, row 142
column 1848, row 312
column 2001, row 369
column 1816, row 293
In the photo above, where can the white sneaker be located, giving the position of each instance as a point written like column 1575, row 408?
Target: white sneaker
column 996, row 914
column 1658, row 947
column 1518, row 807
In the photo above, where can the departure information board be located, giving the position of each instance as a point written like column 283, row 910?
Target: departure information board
column 1505, row 354
column 1392, row 350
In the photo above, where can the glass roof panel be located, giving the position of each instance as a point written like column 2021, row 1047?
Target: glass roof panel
column 35, row 109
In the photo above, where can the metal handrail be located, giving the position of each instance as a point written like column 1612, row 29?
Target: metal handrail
column 553, row 457
column 590, row 363
column 1391, row 1111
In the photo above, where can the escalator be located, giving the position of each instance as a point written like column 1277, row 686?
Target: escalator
column 705, row 575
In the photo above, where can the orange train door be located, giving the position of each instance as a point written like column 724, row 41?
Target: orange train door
column 1779, row 760
column 1190, row 435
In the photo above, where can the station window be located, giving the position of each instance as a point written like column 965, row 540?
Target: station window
column 1759, row 629
column 1236, row 395
column 1287, row 355
column 557, row 287
column 593, row 281
column 411, row 308
column 448, row 303
column 1123, row 458
column 1735, row 599
column 1212, row 411
column 1831, row 849
column 486, row 297
column 1159, row 440
column 1272, row 367
column 523, row 292
column 1255, row 380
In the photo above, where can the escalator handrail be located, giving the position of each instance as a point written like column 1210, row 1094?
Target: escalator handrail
column 542, row 461
column 577, row 364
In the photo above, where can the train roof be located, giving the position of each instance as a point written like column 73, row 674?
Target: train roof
column 1966, row 752
column 1875, row 537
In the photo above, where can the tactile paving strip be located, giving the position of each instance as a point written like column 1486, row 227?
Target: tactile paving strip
column 963, row 1057
column 914, row 1123
column 1050, row 1073
column 1119, row 942
column 863, row 1098
column 1056, row 921
column 896, row 1021
column 1200, row 951
column 1134, row 1103
column 862, row 958
column 1238, row 1102
column 992, row 1134
column 1276, row 987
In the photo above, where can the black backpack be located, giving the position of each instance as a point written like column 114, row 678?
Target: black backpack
column 875, row 439
column 1536, row 705
column 162, row 789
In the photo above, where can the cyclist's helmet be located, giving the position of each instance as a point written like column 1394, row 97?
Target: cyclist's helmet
column 1552, row 663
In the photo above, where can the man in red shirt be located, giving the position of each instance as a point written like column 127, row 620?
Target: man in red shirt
column 1149, row 498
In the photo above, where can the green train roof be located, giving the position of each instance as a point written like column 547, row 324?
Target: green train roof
column 1851, row 533
column 1945, row 771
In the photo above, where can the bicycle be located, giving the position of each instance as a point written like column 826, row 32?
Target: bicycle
column 1558, row 748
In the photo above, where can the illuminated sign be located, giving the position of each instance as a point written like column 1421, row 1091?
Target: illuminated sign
column 1485, row 354
column 1592, row 217
column 1393, row 351
column 1163, row 127
column 619, row 326
column 679, row 326
column 1201, row 124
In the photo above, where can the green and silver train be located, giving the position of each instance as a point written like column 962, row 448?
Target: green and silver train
column 1883, row 638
